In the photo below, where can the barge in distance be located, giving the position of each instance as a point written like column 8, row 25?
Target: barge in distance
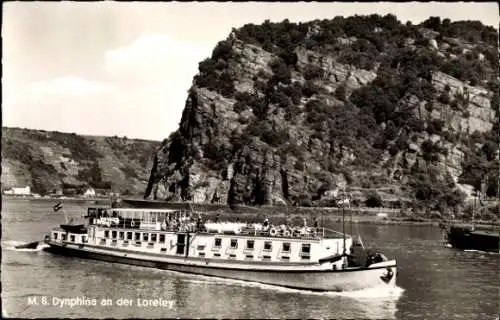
column 466, row 237
column 298, row 257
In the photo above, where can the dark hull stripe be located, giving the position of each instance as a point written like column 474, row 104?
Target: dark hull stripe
column 179, row 266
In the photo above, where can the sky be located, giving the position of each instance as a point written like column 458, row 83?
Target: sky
column 124, row 68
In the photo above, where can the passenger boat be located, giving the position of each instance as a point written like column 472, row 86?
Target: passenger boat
column 298, row 257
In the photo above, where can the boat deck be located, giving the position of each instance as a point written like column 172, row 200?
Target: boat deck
column 491, row 233
column 312, row 234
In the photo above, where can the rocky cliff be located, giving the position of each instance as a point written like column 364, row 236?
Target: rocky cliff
column 65, row 163
column 294, row 113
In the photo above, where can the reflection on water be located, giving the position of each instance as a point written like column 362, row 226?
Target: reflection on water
column 194, row 296
column 372, row 303
column 433, row 281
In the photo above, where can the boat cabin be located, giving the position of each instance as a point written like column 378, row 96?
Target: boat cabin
column 184, row 234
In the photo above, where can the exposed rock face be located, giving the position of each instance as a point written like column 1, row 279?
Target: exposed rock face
column 65, row 163
column 268, row 125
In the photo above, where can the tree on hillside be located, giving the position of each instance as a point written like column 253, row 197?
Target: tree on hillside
column 373, row 200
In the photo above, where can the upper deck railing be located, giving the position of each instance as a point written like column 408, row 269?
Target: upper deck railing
column 186, row 221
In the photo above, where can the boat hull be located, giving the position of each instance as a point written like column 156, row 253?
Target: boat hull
column 466, row 239
column 378, row 275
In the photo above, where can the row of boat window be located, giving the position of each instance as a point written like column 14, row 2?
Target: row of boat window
column 72, row 237
column 135, row 236
column 268, row 245
column 251, row 256
column 250, row 244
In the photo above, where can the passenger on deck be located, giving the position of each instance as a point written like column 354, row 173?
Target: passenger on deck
column 265, row 225
column 358, row 257
column 369, row 260
column 370, row 257
column 199, row 224
column 164, row 225
column 378, row 258
column 217, row 218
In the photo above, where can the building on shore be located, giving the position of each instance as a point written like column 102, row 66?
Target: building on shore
column 89, row 193
column 26, row 191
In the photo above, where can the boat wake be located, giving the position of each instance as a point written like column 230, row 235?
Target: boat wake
column 371, row 293
column 373, row 303
column 14, row 245
column 482, row 252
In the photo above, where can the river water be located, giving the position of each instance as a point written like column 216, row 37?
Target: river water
column 434, row 281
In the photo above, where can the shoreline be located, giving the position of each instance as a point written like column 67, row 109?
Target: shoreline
column 281, row 213
column 356, row 219
column 101, row 200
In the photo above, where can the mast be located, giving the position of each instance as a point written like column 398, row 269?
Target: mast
column 474, row 211
column 322, row 212
column 498, row 201
column 187, row 244
column 350, row 212
column 65, row 216
column 343, row 227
